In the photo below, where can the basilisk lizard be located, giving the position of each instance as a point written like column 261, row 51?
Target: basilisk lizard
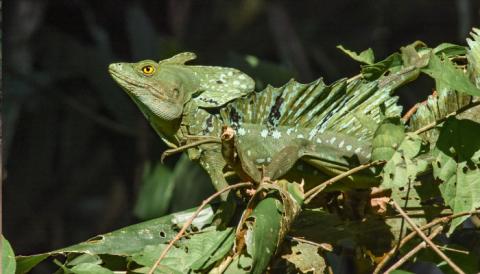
column 328, row 128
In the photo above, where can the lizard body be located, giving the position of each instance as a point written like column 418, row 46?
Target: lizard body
column 337, row 121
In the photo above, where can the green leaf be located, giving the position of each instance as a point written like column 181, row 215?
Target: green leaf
column 189, row 175
column 26, row 263
column 399, row 271
column 445, row 72
column 388, row 136
column 403, row 168
column 89, row 268
column 473, row 56
column 221, row 244
column 123, row 242
column 374, row 71
column 198, row 252
column 263, row 232
column 305, row 257
column 85, row 258
column 367, row 56
column 155, row 193
column 457, row 165
column 449, row 50
column 8, row 258
column 416, row 54
column 269, row 216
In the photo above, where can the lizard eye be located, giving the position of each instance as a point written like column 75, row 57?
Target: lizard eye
column 148, row 70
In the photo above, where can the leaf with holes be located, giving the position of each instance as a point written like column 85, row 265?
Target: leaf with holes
column 197, row 252
column 269, row 216
column 306, row 258
column 445, row 72
column 403, row 167
column 457, row 165
column 123, row 242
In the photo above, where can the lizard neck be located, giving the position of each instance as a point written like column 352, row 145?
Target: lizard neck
column 167, row 130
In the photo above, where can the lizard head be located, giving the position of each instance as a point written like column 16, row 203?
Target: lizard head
column 158, row 88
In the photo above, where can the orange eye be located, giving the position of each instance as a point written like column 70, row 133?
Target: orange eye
column 148, row 70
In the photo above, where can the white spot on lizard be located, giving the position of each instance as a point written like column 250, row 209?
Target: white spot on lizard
column 349, row 147
column 241, row 131
column 341, row 144
column 264, row 133
column 332, row 140
column 276, row 134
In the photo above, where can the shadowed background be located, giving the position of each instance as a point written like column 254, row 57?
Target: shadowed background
column 80, row 159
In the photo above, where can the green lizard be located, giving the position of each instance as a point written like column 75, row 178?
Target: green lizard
column 336, row 122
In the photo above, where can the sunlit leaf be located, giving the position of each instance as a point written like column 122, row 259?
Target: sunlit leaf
column 8, row 258
column 457, row 166
column 123, row 242
column 444, row 71
column 199, row 251
column 306, row 258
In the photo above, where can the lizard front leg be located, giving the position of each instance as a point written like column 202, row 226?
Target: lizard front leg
column 212, row 161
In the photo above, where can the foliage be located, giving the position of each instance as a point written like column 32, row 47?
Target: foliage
column 8, row 257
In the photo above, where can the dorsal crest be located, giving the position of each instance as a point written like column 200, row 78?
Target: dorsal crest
column 179, row 59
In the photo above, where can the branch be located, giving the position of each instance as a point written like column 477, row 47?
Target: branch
column 324, row 246
column 410, row 113
column 414, row 251
column 412, row 235
column 179, row 149
column 190, row 220
column 439, row 121
column 425, row 238
column 316, row 190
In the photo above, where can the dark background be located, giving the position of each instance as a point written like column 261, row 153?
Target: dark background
column 75, row 147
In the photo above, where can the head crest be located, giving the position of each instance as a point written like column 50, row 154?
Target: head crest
column 179, row 59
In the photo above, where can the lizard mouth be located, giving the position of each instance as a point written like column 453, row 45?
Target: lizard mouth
column 124, row 80
column 131, row 84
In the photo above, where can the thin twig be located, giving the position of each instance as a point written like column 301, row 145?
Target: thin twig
column 410, row 113
column 439, row 121
column 425, row 238
column 179, row 149
column 190, row 220
column 412, row 235
column 324, row 246
column 353, row 78
column 309, row 195
column 453, row 250
column 414, row 251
